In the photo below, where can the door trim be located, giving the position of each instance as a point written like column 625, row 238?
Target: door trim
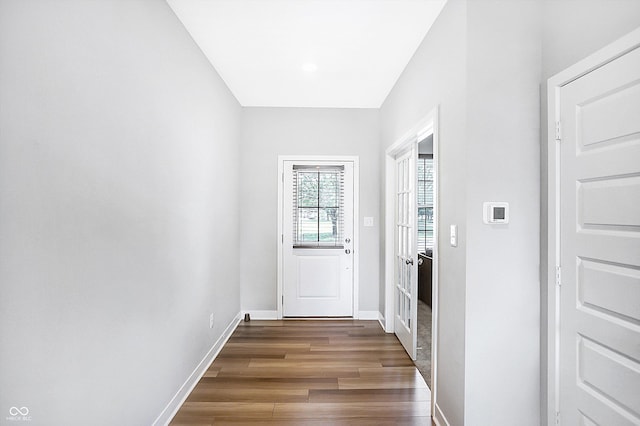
column 356, row 223
column 598, row 59
column 426, row 126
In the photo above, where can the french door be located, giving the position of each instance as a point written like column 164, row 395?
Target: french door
column 318, row 238
column 406, row 251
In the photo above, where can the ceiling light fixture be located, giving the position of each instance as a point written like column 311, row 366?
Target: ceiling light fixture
column 309, row 67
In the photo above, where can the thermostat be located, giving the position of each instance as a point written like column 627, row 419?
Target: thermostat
column 495, row 213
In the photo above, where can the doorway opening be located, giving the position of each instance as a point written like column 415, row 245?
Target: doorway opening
column 411, row 248
column 425, row 206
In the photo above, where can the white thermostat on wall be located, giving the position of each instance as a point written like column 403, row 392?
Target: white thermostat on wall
column 495, row 213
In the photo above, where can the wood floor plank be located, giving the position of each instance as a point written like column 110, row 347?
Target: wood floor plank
column 269, row 383
column 394, row 362
column 319, row 340
column 220, row 363
column 370, row 395
column 370, row 348
column 269, row 345
column 204, row 394
column 332, row 355
column 309, row 372
column 284, row 372
column 211, row 373
column 336, row 363
column 350, row 409
column 389, row 372
column 209, row 410
column 382, row 383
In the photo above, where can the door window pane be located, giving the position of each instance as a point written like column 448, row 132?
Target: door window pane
column 307, row 189
column 425, row 203
column 318, row 206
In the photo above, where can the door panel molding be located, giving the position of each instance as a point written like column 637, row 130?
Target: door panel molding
column 355, row 160
column 556, row 83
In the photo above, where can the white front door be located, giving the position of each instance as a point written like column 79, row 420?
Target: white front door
column 317, row 239
column 406, row 252
column 599, row 346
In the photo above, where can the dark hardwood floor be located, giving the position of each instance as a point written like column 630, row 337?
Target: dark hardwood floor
column 309, row 373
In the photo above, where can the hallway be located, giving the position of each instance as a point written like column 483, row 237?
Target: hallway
column 309, row 372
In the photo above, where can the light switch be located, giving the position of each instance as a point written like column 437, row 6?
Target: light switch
column 368, row 221
column 454, row 235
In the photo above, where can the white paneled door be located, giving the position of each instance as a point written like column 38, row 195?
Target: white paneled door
column 406, row 251
column 318, row 221
column 599, row 345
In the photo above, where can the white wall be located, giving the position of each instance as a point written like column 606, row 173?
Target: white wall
column 118, row 201
column 269, row 132
column 436, row 77
column 481, row 64
column 502, row 291
column 572, row 30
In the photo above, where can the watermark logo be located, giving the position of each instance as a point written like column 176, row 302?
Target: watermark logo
column 19, row 414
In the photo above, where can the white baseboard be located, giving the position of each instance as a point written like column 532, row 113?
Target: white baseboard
column 263, row 315
column 381, row 321
column 438, row 417
column 176, row 402
column 368, row 315
column 273, row 315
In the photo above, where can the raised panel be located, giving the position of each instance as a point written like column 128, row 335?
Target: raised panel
column 597, row 408
column 617, row 159
column 598, row 243
column 613, row 288
column 613, row 375
column 318, row 276
column 610, row 202
column 610, row 116
column 618, row 334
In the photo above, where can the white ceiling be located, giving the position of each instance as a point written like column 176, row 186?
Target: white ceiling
column 261, row 47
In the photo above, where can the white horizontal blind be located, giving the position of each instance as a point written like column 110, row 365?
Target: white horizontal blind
column 318, row 206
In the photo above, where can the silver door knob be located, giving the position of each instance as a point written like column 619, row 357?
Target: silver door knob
column 347, row 251
column 409, row 261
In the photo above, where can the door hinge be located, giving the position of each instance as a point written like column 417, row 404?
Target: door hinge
column 282, row 238
column 282, row 177
column 558, row 131
column 558, row 276
column 557, row 418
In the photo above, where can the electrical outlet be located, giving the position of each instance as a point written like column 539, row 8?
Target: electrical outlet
column 211, row 321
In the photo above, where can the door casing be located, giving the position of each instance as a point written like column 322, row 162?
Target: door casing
column 356, row 223
column 607, row 54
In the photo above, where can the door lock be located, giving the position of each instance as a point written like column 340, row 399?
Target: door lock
column 409, row 261
column 348, row 240
column 347, row 251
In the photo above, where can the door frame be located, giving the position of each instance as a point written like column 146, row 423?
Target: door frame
column 602, row 57
column 356, row 222
column 426, row 126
